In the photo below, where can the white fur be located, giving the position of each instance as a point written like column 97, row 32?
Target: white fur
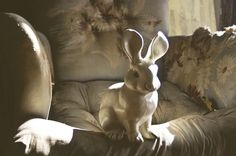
column 129, row 106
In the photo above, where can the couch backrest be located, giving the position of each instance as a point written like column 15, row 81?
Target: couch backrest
column 85, row 36
column 204, row 65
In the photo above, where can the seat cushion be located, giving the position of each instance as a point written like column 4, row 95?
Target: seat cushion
column 174, row 103
column 191, row 135
column 77, row 104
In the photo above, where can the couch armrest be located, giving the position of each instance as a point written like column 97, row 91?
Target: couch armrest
column 25, row 81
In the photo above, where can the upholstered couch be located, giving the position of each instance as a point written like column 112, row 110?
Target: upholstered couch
column 81, row 49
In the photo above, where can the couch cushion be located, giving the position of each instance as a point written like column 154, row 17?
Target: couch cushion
column 204, row 66
column 174, row 103
column 77, row 104
column 85, row 35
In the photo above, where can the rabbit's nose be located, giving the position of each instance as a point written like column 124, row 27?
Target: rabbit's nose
column 149, row 87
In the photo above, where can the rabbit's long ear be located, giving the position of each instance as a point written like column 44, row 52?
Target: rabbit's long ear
column 157, row 48
column 133, row 45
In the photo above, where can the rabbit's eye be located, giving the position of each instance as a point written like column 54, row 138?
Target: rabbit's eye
column 136, row 74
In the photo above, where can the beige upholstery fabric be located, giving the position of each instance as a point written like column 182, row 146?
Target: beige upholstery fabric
column 191, row 133
column 203, row 65
column 77, row 104
column 86, row 35
column 174, row 103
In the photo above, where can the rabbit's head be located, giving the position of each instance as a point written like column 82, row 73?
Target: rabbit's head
column 142, row 75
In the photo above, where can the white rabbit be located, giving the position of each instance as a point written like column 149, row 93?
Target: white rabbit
column 128, row 106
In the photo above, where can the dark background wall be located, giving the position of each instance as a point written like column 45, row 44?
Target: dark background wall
column 228, row 16
column 32, row 10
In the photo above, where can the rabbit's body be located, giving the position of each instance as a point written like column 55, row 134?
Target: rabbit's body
column 129, row 106
column 132, row 110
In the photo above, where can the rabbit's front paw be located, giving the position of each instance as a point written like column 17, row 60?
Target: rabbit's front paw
column 147, row 133
column 135, row 137
column 115, row 134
